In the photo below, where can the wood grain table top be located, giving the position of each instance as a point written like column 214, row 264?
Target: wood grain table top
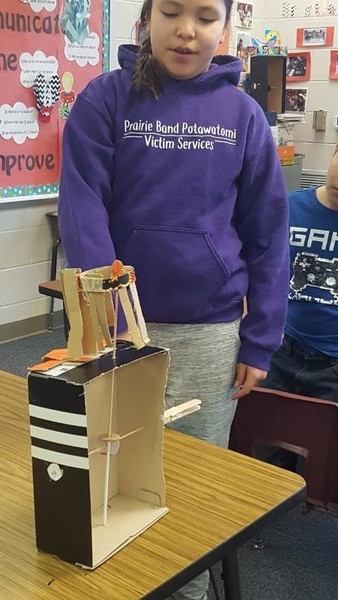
column 217, row 500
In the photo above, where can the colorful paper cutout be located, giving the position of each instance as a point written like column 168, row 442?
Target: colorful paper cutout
column 47, row 94
column 74, row 20
column 67, row 95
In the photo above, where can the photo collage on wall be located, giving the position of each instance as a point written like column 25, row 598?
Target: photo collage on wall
column 247, row 46
column 298, row 66
column 299, row 63
column 243, row 22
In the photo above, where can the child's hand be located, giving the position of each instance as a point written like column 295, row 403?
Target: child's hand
column 246, row 378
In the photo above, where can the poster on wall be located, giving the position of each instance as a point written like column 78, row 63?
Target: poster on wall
column 295, row 100
column 315, row 36
column 309, row 8
column 333, row 72
column 244, row 50
column 298, row 66
column 244, row 14
column 50, row 50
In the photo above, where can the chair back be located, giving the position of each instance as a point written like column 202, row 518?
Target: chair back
column 307, row 426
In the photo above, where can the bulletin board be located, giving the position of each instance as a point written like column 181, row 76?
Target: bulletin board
column 49, row 50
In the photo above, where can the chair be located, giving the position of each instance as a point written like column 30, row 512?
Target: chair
column 53, row 218
column 306, row 426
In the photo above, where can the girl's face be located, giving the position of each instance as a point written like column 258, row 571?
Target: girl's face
column 184, row 35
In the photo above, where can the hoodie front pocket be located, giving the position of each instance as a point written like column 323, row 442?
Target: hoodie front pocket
column 177, row 272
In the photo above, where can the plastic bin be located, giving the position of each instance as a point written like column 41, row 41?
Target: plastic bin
column 293, row 173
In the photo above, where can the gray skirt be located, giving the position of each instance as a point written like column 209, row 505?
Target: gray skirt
column 202, row 365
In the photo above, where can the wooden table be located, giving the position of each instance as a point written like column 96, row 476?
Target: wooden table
column 217, row 498
column 51, row 288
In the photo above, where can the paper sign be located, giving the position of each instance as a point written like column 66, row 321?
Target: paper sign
column 42, row 72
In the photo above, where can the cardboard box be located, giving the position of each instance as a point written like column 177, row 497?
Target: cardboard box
column 70, row 407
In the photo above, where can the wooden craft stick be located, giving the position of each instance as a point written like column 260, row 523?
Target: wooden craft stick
column 108, row 298
column 89, row 306
column 102, row 317
column 133, row 329
column 182, row 410
column 110, row 423
column 69, row 284
column 139, row 314
column 94, row 320
column 89, row 345
column 113, row 437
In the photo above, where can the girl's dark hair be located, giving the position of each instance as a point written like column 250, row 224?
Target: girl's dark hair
column 146, row 72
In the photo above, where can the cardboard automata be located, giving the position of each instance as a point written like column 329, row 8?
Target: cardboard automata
column 96, row 419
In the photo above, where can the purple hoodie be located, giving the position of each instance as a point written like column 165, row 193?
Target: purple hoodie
column 189, row 190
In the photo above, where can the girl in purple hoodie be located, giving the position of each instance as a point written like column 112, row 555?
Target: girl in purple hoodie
column 170, row 167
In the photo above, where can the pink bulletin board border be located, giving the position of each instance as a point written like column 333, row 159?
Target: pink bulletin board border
column 50, row 190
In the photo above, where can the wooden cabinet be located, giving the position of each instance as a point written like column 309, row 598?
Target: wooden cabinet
column 268, row 76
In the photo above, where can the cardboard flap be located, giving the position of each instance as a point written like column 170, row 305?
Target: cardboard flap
column 149, row 497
